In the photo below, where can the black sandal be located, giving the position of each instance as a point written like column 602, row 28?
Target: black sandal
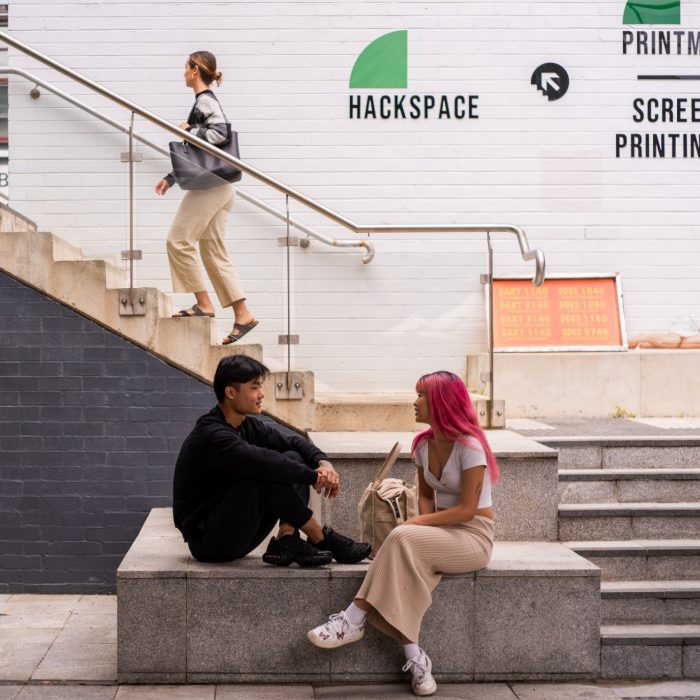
column 195, row 311
column 243, row 328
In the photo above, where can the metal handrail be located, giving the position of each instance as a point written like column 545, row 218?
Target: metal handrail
column 277, row 213
column 526, row 252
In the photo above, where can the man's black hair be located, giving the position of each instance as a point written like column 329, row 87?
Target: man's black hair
column 237, row 369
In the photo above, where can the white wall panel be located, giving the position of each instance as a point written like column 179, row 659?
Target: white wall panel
column 549, row 167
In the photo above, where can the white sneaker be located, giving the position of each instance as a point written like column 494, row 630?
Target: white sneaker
column 336, row 632
column 422, row 681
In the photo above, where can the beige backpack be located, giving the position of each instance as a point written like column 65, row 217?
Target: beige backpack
column 385, row 503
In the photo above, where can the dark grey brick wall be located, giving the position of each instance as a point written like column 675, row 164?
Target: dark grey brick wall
column 90, row 427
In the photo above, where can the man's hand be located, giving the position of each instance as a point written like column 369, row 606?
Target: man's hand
column 328, row 480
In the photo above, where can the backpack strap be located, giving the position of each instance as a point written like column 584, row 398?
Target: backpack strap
column 388, row 464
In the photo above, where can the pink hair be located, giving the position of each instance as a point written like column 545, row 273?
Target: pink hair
column 452, row 414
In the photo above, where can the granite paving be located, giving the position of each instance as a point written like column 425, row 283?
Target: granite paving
column 64, row 662
column 607, row 427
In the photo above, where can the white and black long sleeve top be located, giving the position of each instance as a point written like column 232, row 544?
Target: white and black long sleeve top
column 207, row 121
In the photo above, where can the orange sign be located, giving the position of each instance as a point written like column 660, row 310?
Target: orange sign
column 581, row 313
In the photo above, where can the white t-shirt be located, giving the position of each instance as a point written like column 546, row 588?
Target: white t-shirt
column 448, row 490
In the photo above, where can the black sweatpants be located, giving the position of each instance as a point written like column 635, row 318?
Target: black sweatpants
column 244, row 517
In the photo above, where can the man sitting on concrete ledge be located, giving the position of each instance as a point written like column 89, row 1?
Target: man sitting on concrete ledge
column 236, row 476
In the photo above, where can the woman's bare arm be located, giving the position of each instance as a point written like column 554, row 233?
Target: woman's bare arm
column 426, row 495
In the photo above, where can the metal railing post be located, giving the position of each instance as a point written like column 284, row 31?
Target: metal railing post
column 493, row 416
column 491, row 370
column 131, row 207
column 132, row 303
column 291, row 385
column 289, row 299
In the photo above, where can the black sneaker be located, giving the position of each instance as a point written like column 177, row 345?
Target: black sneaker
column 291, row 548
column 344, row 549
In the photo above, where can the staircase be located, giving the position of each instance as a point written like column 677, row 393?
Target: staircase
column 636, row 515
column 92, row 287
column 58, row 269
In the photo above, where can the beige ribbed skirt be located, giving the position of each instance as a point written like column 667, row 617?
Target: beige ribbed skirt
column 409, row 565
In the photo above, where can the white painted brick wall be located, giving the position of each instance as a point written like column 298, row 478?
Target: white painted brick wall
column 549, row 167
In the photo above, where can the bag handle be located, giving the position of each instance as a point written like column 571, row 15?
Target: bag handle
column 222, row 108
column 388, row 464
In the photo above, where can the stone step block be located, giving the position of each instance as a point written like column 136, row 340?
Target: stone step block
column 190, row 343
column 363, row 412
column 367, row 412
column 643, row 560
column 619, row 521
column 625, row 452
column 180, row 620
column 650, row 602
column 649, row 651
column 629, row 485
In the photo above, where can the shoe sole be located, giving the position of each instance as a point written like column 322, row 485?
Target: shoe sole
column 329, row 644
column 357, row 559
column 426, row 691
column 276, row 559
column 313, row 561
column 304, row 562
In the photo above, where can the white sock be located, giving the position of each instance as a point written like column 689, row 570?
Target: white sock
column 356, row 616
column 411, row 650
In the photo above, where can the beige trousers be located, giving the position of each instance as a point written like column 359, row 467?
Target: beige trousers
column 409, row 565
column 201, row 218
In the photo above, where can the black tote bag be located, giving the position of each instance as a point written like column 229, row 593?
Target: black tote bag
column 194, row 169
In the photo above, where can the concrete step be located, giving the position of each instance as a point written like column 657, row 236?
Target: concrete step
column 619, row 521
column 626, row 452
column 649, row 651
column 650, row 602
column 629, row 485
column 365, row 412
column 643, row 560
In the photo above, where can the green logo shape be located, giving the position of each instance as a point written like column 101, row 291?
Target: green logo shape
column 652, row 12
column 383, row 63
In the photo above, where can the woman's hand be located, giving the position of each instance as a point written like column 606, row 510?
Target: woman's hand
column 185, row 126
column 162, row 187
column 415, row 520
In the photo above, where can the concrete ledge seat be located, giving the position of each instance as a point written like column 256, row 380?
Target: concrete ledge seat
column 645, row 382
column 182, row 621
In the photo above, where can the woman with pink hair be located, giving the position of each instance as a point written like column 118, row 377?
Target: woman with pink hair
column 452, row 534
